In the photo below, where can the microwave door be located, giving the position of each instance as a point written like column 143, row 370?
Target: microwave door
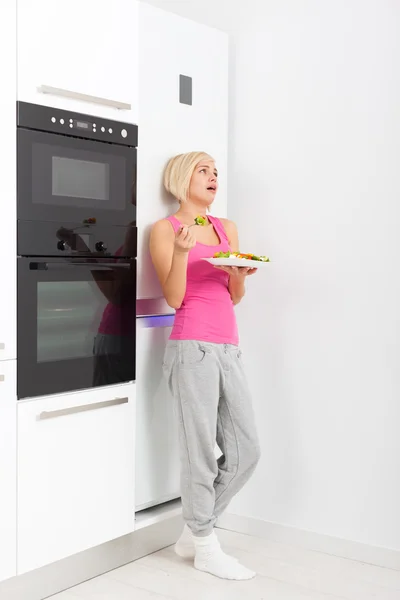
column 76, row 325
column 63, row 178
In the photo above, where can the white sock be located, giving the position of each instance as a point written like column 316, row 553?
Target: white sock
column 184, row 547
column 211, row 559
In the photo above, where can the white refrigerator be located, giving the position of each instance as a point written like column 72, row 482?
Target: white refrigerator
column 157, row 455
column 171, row 46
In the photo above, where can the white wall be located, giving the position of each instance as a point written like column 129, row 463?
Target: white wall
column 315, row 183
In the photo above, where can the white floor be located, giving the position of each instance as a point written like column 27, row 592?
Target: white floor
column 284, row 573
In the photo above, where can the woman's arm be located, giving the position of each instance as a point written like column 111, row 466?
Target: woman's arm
column 169, row 253
column 237, row 275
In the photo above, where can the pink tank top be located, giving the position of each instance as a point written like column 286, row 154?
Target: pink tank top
column 207, row 313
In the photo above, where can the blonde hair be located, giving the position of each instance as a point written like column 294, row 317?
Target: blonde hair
column 179, row 171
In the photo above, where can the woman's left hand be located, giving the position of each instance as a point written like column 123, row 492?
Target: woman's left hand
column 237, row 272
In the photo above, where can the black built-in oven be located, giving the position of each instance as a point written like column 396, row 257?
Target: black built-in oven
column 77, row 248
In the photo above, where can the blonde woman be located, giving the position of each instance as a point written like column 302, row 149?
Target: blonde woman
column 203, row 363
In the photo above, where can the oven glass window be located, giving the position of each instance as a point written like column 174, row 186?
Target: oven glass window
column 68, row 319
column 73, row 178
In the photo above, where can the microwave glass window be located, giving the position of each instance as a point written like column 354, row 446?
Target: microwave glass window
column 78, row 178
column 73, row 178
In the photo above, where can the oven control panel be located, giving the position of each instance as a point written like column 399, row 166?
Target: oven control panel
column 45, row 238
column 95, row 125
column 54, row 120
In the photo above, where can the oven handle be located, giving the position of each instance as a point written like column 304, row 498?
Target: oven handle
column 44, row 266
column 52, row 414
column 48, row 89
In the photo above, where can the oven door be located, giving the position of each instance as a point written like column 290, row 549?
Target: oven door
column 62, row 178
column 76, row 324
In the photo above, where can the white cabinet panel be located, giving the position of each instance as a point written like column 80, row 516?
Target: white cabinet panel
column 171, row 46
column 157, row 453
column 8, row 200
column 86, row 47
column 75, row 473
column 8, row 470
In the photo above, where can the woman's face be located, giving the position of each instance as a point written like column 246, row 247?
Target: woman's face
column 204, row 183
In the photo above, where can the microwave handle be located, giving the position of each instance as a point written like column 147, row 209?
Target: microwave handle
column 48, row 89
column 44, row 266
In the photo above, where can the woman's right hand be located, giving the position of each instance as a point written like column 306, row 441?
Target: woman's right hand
column 184, row 240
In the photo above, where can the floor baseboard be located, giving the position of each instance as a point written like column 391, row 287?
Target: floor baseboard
column 374, row 555
column 76, row 569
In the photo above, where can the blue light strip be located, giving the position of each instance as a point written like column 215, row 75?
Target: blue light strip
column 157, row 321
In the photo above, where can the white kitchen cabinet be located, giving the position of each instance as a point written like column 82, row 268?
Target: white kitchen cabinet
column 8, row 199
column 171, row 46
column 76, row 473
column 157, row 450
column 8, row 470
column 85, row 47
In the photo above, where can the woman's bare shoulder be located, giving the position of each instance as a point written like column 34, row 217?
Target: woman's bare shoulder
column 231, row 233
column 162, row 227
column 229, row 225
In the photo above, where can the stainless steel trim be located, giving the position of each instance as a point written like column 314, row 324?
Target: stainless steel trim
column 2, row 378
column 48, row 89
column 52, row 414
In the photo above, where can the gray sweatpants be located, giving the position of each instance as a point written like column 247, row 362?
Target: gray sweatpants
column 213, row 406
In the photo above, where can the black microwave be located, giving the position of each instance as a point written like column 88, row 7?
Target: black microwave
column 75, row 168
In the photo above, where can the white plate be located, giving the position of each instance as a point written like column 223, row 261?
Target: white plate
column 236, row 262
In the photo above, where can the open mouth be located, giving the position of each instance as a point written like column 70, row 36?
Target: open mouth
column 212, row 188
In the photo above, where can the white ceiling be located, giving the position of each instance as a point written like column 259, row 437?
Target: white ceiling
column 246, row 15
column 228, row 15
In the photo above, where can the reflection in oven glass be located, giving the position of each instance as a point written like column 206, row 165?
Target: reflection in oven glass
column 114, row 346
column 68, row 319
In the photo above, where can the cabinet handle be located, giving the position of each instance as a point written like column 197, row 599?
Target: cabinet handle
column 48, row 89
column 2, row 346
column 52, row 414
column 2, row 378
